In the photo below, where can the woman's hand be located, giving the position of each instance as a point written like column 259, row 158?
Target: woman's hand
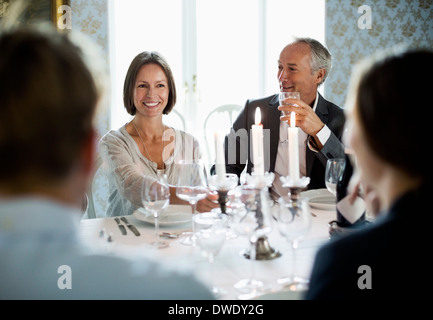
column 209, row 203
column 204, row 205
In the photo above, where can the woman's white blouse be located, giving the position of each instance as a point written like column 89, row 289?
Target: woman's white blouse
column 127, row 169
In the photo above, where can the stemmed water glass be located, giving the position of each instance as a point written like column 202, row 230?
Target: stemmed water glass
column 210, row 230
column 253, row 221
column 334, row 172
column 294, row 223
column 156, row 197
column 192, row 187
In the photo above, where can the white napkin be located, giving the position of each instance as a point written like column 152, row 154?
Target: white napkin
column 352, row 212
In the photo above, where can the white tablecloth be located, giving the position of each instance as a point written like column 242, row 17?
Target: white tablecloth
column 229, row 266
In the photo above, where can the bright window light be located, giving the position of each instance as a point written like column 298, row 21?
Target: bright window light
column 236, row 44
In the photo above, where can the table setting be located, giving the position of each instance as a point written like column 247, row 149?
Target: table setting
column 229, row 265
column 250, row 247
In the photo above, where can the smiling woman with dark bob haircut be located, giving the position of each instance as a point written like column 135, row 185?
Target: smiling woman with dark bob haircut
column 147, row 57
column 145, row 148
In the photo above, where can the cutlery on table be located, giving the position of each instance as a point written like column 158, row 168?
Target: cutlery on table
column 102, row 234
column 121, row 226
column 130, row 226
column 169, row 235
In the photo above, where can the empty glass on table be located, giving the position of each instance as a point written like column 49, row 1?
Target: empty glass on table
column 253, row 221
column 156, row 197
column 333, row 173
column 294, row 223
column 192, row 187
column 210, row 230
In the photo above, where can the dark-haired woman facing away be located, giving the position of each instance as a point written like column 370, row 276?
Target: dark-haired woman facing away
column 388, row 106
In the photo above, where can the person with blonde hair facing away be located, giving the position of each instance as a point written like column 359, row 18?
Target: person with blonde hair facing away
column 48, row 95
column 388, row 103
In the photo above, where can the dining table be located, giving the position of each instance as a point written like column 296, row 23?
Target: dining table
column 230, row 264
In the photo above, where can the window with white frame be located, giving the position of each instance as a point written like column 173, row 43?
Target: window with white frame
column 220, row 52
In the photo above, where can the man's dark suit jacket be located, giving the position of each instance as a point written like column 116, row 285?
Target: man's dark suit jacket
column 237, row 151
column 396, row 248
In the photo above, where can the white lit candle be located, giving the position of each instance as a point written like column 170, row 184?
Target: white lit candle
column 257, row 137
column 293, row 149
column 220, row 163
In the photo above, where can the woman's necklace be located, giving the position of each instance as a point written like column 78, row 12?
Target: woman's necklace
column 145, row 148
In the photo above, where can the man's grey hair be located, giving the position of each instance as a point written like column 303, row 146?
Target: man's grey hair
column 320, row 56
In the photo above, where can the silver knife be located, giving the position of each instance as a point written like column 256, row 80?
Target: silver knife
column 121, row 226
column 130, row 226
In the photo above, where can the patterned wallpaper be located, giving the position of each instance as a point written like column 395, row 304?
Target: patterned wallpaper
column 91, row 18
column 349, row 37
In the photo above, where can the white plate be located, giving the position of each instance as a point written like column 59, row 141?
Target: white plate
column 173, row 215
column 320, row 199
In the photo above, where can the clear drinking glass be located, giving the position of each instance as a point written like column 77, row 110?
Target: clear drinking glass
column 156, row 197
column 282, row 96
column 210, row 230
column 287, row 95
column 192, row 187
column 294, row 223
column 253, row 221
column 334, row 171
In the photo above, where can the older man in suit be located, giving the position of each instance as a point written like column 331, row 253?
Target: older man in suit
column 302, row 67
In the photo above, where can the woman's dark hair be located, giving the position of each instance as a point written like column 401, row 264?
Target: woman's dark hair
column 394, row 106
column 147, row 57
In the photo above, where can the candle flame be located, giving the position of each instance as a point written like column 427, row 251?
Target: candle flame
column 292, row 119
column 258, row 116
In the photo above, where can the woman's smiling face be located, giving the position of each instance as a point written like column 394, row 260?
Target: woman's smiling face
column 151, row 90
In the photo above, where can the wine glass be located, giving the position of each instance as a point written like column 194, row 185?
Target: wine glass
column 156, row 197
column 294, row 223
column 334, row 171
column 192, row 187
column 253, row 221
column 234, row 205
column 210, row 230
